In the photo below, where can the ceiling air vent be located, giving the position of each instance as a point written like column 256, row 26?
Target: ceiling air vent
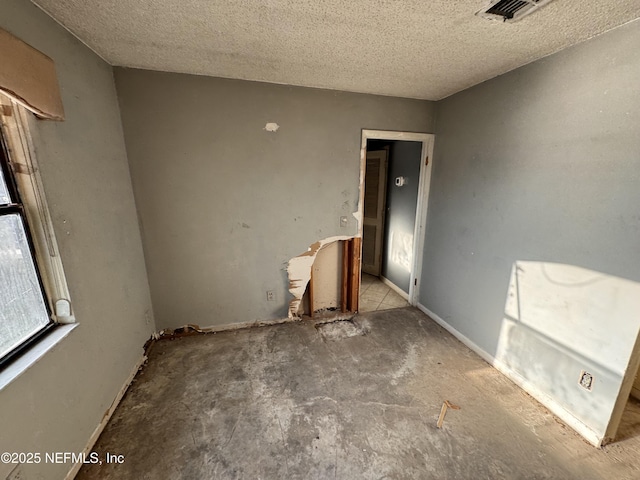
column 510, row 10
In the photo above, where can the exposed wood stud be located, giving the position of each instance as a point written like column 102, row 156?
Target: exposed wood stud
column 345, row 276
column 354, row 286
column 349, row 267
column 311, row 307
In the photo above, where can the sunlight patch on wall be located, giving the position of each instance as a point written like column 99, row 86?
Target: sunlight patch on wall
column 401, row 249
column 561, row 321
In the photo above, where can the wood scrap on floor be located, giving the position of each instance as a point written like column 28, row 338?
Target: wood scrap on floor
column 443, row 411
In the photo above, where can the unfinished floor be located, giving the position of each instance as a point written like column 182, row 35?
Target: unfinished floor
column 345, row 400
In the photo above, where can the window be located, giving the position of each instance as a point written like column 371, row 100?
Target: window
column 35, row 307
column 24, row 312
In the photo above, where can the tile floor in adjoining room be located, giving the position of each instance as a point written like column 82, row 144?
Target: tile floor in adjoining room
column 375, row 295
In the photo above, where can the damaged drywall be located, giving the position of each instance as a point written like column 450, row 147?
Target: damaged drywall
column 327, row 275
column 299, row 270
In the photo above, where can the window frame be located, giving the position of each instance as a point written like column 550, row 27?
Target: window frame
column 22, row 177
column 16, row 207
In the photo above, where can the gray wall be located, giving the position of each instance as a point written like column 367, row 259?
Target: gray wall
column 400, row 221
column 540, row 164
column 225, row 204
column 57, row 404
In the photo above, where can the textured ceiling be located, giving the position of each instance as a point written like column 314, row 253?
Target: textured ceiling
column 425, row 49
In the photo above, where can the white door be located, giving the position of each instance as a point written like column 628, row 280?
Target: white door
column 375, row 189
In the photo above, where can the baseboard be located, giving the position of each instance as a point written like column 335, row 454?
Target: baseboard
column 105, row 419
column 484, row 355
column 554, row 407
column 394, row 287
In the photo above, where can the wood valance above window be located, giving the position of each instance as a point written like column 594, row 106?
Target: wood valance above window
column 29, row 77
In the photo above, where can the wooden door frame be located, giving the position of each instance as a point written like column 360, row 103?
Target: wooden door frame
column 426, row 163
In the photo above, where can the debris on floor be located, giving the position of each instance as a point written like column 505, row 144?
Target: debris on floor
column 340, row 329
column 443, row 411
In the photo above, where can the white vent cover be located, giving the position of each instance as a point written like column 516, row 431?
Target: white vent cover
column 510, row 10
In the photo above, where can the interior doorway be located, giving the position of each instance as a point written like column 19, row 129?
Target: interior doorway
column 395, row 174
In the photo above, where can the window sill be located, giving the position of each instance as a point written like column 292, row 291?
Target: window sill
column 34, row 354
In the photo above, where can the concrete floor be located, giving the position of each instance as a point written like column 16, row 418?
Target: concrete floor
column 345, row 400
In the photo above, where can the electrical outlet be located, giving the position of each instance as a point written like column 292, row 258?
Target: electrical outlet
column 586, row 380
column 17, row 473
column 270, row 296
